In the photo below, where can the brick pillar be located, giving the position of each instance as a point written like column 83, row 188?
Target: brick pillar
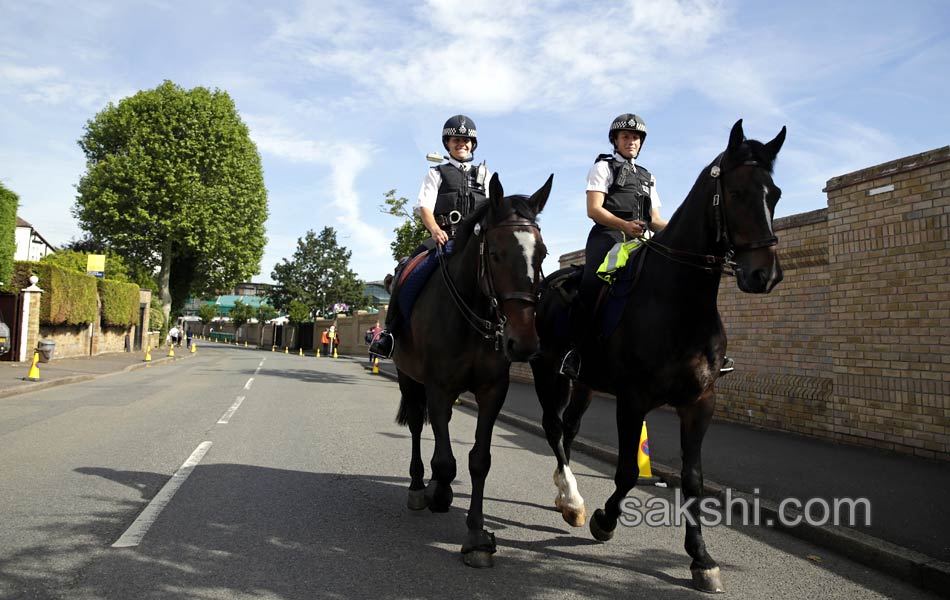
column 30, row 335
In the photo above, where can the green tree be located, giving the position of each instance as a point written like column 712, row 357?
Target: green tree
column 410, row 233
column 207, row 313
column 240, row 315
column 174, row 182
column 318, row 275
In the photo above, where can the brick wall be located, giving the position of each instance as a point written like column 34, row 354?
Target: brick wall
column 854, row 345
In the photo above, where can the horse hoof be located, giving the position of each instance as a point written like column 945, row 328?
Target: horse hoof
column 707, row 580
column 575, row 517
column 596, row 530
column 438, row 500
column 417, row 500
column 479, row 559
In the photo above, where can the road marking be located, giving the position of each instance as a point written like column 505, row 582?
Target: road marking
column 230, row 412
column 247, row 385
column 258, row 369
column 134, row 534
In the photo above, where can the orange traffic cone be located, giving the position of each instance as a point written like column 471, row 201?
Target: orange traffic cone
column 643, row 458
column 34, row 374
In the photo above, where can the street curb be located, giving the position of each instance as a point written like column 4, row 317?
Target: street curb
column 51, row 383
column 913, row 567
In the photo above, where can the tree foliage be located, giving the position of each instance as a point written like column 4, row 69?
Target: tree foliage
column 207, row 313
column 174, row 183
column 317, row 275
column 240, row 314
column 410, row 233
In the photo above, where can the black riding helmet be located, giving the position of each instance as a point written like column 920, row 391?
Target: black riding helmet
column 627, row 122
column 459, row 126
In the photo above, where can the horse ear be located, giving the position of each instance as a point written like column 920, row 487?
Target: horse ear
column 775, row 145
column 540, row 197
column 736, row 136
column 495, row 191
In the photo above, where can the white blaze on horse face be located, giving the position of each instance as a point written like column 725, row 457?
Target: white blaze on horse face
column 528, row 243
column 765, row 203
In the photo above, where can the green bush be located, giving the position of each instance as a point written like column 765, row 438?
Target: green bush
column 120, row 303
column 8, row 207
column 69, row 298
column 22, row 270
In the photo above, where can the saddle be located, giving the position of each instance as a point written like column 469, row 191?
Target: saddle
column 411, row 276
column 610, row 299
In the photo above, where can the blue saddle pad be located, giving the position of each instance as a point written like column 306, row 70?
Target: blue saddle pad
column 416, row 280
column 619, row 293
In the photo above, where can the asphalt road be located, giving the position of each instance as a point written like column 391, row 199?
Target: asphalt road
column 302, row 495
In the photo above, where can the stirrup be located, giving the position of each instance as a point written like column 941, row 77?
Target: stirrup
column 383, row 345
column 728, row 366
column 571, row 364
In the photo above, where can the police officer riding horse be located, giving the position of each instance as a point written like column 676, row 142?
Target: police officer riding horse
column 449, row 192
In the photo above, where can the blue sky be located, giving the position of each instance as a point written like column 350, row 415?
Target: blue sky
column 345, row 98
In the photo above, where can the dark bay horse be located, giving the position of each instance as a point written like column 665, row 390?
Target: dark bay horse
column 468, row 324
column 669, row 343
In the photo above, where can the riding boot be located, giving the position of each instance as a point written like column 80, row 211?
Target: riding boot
column 728, row 366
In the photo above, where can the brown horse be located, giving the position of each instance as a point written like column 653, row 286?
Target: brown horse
column 467, row 326
column 669, row 342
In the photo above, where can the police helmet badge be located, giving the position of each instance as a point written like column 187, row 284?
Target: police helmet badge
column 461, row 129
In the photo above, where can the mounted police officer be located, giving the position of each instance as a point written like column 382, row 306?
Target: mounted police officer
column 449, row 192
column 623, row 203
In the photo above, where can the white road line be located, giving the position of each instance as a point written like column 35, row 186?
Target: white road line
column 247, row 385
column 134, row 534
column 230, row 412
column 258, row 369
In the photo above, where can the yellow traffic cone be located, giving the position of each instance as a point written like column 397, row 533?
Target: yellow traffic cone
column 34, row 374
column 171, row 350
column 300, row 352
column 148, row 354
column 245, row 343
column 643, row 458
column 273, row 348
column 335, row 355
column 194, row 347
column 375, row 365
column 286, row 350
column 318, row 352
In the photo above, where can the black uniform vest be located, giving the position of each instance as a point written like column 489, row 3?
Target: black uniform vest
column 628, row 197
column 459, row 190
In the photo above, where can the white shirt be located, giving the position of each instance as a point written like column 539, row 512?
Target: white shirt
column 433, row 179
column 601, row 177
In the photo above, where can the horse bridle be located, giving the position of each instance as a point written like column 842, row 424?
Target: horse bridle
column 723, row 264
column 487, row 328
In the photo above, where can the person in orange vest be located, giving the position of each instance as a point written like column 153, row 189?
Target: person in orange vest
column 325, row 340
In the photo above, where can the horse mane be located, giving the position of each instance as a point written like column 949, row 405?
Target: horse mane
column 516, row 204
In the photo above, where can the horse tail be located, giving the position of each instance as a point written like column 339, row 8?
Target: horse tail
column 409, row 404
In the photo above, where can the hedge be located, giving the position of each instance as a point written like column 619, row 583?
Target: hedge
column 69, row 298
column 8, row 207
column 120, row 302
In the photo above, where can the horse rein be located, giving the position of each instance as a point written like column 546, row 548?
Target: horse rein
column 712, row 263
column 488, row 329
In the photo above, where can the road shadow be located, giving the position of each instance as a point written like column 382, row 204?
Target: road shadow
column 246, row 531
